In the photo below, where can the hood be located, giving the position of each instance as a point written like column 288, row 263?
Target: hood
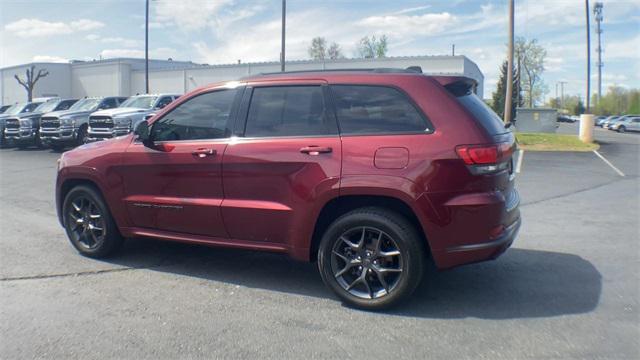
column 30, row 115
column 121, row 112
column 67, row 113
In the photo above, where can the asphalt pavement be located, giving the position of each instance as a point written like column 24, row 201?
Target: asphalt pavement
column 568, row 288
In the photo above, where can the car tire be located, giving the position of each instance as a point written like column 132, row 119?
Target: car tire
column 621, row 129
column 83, row 136
column 363, row 274
column 89, row 224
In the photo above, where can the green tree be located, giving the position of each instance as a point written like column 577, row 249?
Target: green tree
column 530, row 55
column 335, row 52
column 372, row 47
column 318, row 48
column 499, row 95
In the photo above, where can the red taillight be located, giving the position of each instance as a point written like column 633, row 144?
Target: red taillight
column 484, row 154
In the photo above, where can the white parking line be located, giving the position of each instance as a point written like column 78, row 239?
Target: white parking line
column 608, row 163
column 519, row 163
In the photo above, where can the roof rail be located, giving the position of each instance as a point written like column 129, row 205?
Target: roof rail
column 409, row 70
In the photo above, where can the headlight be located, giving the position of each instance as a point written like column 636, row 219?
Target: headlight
column 68, row 121
column 122, row 122
column 26, row 123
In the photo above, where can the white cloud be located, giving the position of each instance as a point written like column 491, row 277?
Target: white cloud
column 189, row 14
column 86, row 25
column 35, row 28
column 117, row 41
column 49, row 59
column 402, row 24
column 28, row 28
column 158, row 53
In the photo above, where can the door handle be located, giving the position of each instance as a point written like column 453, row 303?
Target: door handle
column 316, row 150
column 204, row 152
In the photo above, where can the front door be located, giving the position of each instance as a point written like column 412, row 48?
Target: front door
column 176, row 184
column 286, row 156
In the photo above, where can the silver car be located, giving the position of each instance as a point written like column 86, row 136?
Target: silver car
column 626, row 123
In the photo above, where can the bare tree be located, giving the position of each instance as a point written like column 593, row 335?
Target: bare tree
column 335, row 52
column 30, row 82
column 318, row 48
column 531, row 58
column 370, row 48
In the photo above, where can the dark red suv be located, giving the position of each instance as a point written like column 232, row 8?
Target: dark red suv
column 371, row 173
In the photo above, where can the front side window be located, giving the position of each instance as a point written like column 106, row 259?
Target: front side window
column 365, row 109
column 164, row 101
column 288, row 111
column 205, row 116
column 109, row 103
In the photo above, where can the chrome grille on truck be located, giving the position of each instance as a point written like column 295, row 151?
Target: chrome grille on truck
column 101, row 122
column 50, row 122
column 12, row 123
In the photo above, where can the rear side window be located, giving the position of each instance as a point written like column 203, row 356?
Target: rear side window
column 487, row 118
column 376, row 110
column 288, row 111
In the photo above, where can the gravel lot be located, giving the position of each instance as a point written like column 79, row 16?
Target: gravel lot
column 569, row 287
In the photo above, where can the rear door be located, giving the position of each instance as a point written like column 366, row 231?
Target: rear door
column 177, row 185
column 286, row 156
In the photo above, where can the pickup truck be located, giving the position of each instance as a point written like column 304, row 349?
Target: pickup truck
column 22, row 129
column 60, row 129
column 111, row 123
column 15, row 110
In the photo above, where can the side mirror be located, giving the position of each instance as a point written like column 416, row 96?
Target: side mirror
column 142, row 131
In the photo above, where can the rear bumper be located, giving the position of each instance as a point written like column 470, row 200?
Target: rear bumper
column 477, row 252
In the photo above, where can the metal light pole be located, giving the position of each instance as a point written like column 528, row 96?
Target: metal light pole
column 588, row 98
column 146, row 47
column 284, row 13
column 509, row 95
column 586, row 119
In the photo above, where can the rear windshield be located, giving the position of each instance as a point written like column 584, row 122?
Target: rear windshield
column 481, row 111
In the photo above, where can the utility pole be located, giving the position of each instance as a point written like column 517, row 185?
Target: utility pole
column 597, row 12
column 453, row 49
column 588, row 97
column 284, row 13
column 509, row 95
column 562, row 93
column 146, row 47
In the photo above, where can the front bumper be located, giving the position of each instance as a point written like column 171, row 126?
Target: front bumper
column 20, row 135
column 61, row 135
column 105, row 134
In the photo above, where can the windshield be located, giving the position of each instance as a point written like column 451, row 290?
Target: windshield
column 47, row 106
column 14, row 109
column 85, row 104
column 142, row 102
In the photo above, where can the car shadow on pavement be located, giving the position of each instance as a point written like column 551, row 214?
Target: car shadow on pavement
column 522, row 283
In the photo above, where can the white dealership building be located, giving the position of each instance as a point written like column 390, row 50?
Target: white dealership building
column 126, row 76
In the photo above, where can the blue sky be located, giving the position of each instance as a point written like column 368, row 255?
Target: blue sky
column 223, row 31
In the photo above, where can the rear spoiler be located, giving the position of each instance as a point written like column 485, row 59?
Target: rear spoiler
column 458, row 85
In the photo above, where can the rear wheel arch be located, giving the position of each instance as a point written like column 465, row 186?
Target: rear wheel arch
column 338, row 206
